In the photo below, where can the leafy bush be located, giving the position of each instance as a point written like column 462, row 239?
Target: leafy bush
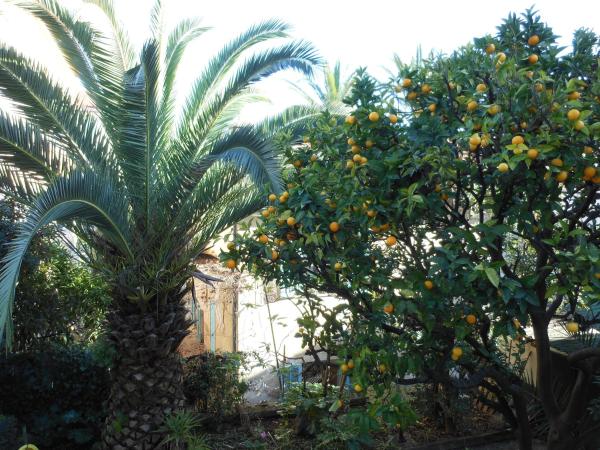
column 58, row 299
column 57, row 394
column 212, row 383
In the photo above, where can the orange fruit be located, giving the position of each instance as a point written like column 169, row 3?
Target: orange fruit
column 475, row 140
column 432, row 107
column 589, row 172
column 350, row 364
column 344, row 368
column 358, row 388
column 230, row 246
column 338, row 266
column 382, row 368
column 573, row 114
column 438, row 187
column 596, row 180
column 532, row 59
column 274, row 255
column 481, row 87
column 374, row 116
column 363, row 160
column 349, row 164
column 393, row 118
column 313, row 157
column 356, row 158
column 428, row 285
column 391, row 241
column 263, row 239
column 532, row 153
column 350, row 120
column 533, row 40
column 471, row 319
column 351, row 141
column 516, row 140
column 490, row 48
column 572, row 327
column 501, row 57
column 557, row 162
column 334, row 227
column 539, row 87
column 562, row 176
column 472, row 105
column 355, row 149
column 406, row 83
column 291, row 221
column 231, row 264
column 574, row 95
column 297, row 164
column 425, row 89
column 588, row 150
column 411, row 96
column 503, row 167
column 371, row 213
column 369, row 143
column 457, row 352
column 388, row 308
column 493, row 110
column 444, row 196
column 579, row 125
column 272, row 197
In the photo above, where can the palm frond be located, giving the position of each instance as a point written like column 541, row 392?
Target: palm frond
column 294, row 119
column 219, row 66
column 23, row 187
column 124, row 46
column 82, row 195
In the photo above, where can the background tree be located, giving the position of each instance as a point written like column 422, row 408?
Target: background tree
column 412, row 212
column 143, row 187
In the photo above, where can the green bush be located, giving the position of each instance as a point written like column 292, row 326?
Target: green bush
column 212, row 383
column 57, row 394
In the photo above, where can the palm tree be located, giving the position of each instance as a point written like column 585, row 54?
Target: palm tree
column 142, row 186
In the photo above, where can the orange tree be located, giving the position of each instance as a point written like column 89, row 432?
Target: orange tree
column 453, row 207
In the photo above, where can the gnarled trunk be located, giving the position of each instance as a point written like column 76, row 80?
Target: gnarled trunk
column 147, row 377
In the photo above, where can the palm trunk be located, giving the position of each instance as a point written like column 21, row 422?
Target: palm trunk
column 147, row 378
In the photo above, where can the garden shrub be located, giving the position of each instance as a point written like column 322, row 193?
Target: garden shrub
column 57, row 394
column 212, row 383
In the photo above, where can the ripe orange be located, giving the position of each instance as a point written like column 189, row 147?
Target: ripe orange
column 490, row 48
column 481, row 87
column 493, row 110
column 579, row 125
column 384, row 227
column 313, row 157
column 444, row 196
column 282, row 199
column 263, row 239
column 265, row 213
column 374, row 116
column 393, row 118
column 355, row 149
column 432, row 107
column 501, row 57
column 344, row 368
column 388, row 308
column 456, row 353
column 503, row 167
column 472, row 105
column 532, row 153
column 349, row 164
column 338, row 266
column 382, row 368
column 350, row 364
column 539, row 87
column 231, row 264
column 291, row 221
column 406, row 83
column 428, row 285
column 272, row 197
column 371, row 213
column 391, row 241
column 588, row 150
column 297, row 164
column 369, row 143
column 350, row 120
column 274, row 255
column 589, row 172
column 574, row 95
column 358, row 388
column 516, row 140
column 557, row 162
column 471, row 319
column 334, row 227
column 573, row 114
column 533, row 40
column 363, row 160
column 425, row 89
column 438, row 187
column 475, row 140
column 356, row 158
column 351, row 141
column 411, row 96
column 532, row 59
column 572, row 327
column 562, row 176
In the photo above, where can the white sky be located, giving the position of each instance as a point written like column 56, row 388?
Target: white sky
column 358, row 33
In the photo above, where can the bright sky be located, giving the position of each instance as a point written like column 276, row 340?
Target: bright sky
column 365, row 33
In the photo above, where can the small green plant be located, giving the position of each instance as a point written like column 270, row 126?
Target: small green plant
column 181, row 434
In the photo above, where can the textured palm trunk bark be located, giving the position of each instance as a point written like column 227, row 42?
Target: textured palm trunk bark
column 147, row 377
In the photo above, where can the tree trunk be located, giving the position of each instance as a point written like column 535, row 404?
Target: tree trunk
column 147, row 377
